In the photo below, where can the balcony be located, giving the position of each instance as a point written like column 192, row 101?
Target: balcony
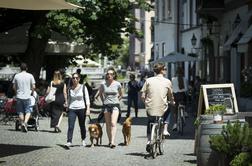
column 210, row 7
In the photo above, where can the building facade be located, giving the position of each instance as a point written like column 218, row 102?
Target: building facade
column 217, row 32
column 140, row 48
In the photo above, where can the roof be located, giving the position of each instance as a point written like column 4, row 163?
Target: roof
column 238, row 32
column 247, row 36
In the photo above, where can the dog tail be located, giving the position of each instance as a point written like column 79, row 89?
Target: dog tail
column 129, row 120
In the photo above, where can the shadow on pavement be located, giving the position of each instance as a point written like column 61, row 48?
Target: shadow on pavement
column 136, row 154
column 8, row 149
column 188, row 135
column 191, row 161
column 190, row 154
column 47, row 131
column 63, row 146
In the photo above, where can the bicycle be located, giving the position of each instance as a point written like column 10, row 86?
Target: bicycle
column 157, row 137
column 181, row 118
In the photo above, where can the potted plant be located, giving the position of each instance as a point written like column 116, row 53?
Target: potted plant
column 234, row 144
column 217, row 111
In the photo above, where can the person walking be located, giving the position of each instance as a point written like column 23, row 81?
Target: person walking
column 24, row 86
column 78, row 106
column 180, row 87
column 133, row 88
column 57, row 106
column 155, row 92
column 110, row 93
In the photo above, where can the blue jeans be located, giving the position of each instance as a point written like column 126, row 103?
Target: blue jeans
column 134, row 99
column 72, row 114
column 23, row 106
column 153, row 119
column 167, row 116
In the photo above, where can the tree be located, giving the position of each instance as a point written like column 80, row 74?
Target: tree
column 99, row 26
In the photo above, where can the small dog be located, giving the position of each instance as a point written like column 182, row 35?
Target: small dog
column 126, row 130
column 95, row 132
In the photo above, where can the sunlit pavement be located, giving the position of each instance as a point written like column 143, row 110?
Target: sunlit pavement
column 46, row 147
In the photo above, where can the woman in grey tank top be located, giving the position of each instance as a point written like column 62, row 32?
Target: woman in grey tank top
column 111, row 93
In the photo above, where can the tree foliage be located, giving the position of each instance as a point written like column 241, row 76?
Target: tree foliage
column 99, row 26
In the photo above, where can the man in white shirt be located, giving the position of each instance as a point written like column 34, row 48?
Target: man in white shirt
column 155, row 92
column 23, row 85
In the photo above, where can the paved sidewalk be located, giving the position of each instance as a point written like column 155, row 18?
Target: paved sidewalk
column 46, row 148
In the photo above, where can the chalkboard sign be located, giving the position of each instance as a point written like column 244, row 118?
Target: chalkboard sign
column 213, row 94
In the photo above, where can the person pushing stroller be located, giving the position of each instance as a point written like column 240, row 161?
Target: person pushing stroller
column 24, row 86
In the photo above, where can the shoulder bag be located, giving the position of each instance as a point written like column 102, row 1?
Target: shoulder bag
column 51, row 95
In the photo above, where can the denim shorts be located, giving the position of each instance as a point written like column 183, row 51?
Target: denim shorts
column 111, row 107
column 23, row 106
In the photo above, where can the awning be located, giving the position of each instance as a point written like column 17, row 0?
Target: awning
column 65, row 48
column 37, row 4
column 175, row 57
column 238, row 32
column 15, row 42
column 247, row 36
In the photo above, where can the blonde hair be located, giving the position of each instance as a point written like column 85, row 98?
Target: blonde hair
column 57, row 77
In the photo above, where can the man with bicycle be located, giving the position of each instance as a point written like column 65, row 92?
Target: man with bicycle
column 155, row 92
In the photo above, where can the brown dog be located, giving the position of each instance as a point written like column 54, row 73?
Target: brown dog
column 126, row 130
column 95, row 132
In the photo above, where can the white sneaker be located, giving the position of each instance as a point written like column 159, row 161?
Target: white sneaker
column 68, row 144
column 174, row 126
column 84, row 143
column 166, row 133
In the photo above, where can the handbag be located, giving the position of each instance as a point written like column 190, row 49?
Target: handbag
column 51, row 95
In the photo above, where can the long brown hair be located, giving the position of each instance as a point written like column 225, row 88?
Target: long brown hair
column 57, row 77
column 180, row 78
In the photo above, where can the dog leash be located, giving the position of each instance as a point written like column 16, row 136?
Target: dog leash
column 91, row 121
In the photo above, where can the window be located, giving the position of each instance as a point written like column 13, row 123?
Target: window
column 163, row 9
column 157, row 51
column 157, row 10
column 152, row 29
column 163, row 49
column 168, row 8
column 142, row 45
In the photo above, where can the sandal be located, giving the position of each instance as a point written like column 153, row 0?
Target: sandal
column 112, row 146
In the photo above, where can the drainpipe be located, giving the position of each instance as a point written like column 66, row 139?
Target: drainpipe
column 178, row 25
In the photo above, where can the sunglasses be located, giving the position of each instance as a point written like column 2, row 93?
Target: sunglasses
column 110, row 73
column 75, row 78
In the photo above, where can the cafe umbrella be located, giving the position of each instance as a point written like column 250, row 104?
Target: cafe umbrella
column 37, row 4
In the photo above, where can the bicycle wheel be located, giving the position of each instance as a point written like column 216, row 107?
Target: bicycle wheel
column 180, row 121
column 154, row 140
column 161, row 144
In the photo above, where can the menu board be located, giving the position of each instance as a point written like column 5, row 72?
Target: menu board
column 218, row 95
column 213, row 94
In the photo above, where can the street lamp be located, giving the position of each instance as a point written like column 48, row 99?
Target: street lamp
column 194, row 40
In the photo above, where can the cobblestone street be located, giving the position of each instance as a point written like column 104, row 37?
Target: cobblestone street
column 46, row 147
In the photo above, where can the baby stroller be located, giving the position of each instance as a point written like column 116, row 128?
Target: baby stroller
column 9, row 109
column 33, row 122
column 42, row 107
